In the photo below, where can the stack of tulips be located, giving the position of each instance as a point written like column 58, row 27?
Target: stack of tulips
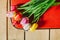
column 33, row 7
column 19, row 21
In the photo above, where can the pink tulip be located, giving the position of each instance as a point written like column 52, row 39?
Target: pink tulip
column 24, row 20
column 25, row 23
column 13, row 8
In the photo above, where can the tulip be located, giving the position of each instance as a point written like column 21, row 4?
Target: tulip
column 24, row 20
column 16, row 23
column 13, row 8
column 10, row 14
column 18, row 26
column 26, row 26
column 13, row 21
column 33, row 27
column 25, row 23
column 18, row 17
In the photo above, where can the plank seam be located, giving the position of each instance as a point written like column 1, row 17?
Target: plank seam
column 49, row 34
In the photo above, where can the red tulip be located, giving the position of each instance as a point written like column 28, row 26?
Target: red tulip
column 18, row 26
column 18, row 17
column 16, row 23
column 13, row 21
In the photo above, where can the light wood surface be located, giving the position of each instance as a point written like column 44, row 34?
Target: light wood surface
column 37, row 35
column 55, row 34
column 3, row 19
column 8, row 32
column 13, row 33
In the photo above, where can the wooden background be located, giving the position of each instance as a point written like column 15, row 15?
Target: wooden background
column 8, row 32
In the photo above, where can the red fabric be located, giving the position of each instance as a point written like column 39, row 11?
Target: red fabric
column 51, row 18
column 16, row 2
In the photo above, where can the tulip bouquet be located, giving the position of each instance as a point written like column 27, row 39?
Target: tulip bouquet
column 27, row 15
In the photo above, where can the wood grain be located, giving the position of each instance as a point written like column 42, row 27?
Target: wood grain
column 37, row 35
column 17, row 34
column 55, row 34
column 3, row 19
column 13, row 33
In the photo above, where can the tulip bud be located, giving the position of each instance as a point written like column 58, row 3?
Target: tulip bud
column 13, row 21
column 10, row 14
column 18, row 26
column 13, row 8
column 33, row 27
column 24, row 20
column 17, row 16
column 26, row 26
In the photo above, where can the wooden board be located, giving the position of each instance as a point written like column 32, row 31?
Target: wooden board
column 55, row 34
column 8, row 32
column 37, row 35
column 13, row 33
column 3, row 19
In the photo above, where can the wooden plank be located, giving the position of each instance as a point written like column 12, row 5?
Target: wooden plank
column 3, row 19
column 55, row 34
column 37, row 35
column 13, row 33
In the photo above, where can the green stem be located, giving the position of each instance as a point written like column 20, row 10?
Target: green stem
column 26, row 4
column 29, row 3
column 35, row 19
column 44, row 10
column 38, row 12
column 38, row 8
